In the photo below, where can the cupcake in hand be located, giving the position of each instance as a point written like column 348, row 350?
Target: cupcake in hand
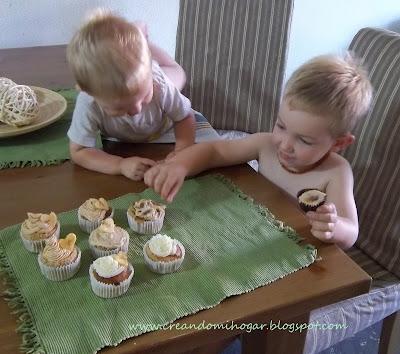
column 310, row 199
column 37, row 229
column 108, row 239
column 162, row 254
column 146, row 216
column 60, row 259
column 92, row 212
column 110, row 276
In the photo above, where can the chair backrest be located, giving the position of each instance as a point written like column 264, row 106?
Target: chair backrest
column 376, row 156
column 234, row 55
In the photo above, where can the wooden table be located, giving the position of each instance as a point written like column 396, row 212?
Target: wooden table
column 334, row 278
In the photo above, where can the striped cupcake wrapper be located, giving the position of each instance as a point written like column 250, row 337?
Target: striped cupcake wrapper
column 89, row 226
column 60, row 273
column 37, row 246
column 109, row 291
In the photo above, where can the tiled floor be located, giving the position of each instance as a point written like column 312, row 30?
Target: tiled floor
column 365, row 342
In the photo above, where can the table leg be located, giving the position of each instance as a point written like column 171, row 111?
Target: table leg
column 277, row 341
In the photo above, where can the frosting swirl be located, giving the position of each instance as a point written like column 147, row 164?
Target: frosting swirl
column 60, row 252
column 94, row 209
column 147, row 209
column 39, row 226
column 162, row 245
column 110, row 266
column 107, row 235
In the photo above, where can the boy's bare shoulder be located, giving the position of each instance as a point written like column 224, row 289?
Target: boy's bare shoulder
column 263, row 141
column 338, row 161
column 338, row 166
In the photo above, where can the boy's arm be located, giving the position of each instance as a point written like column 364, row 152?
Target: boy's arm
column 167, row 178
column 337, row 220
column 100, row 161
column 184, row 132
column 170, row 67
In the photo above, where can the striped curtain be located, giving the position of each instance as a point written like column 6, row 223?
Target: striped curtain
column 234, row 55
column 375, row 157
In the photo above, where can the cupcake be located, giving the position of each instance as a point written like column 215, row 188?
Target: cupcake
column 146, row 216
column 92, row 212
column 108, row 239
column 60, row 259
column 162, row 254
column 37, row 229
column 310, row 199
column 110, row 276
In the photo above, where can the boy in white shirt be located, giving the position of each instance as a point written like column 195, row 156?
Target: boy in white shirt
column 125, row 96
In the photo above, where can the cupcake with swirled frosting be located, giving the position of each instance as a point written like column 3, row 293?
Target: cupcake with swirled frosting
column 162, row 254
column 38, row 228
column 108, row 239
column 60, row 259
column 92, row 212
column 110, row 276
column 146, row 216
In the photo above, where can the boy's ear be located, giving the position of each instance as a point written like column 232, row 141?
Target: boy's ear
column 343, row 142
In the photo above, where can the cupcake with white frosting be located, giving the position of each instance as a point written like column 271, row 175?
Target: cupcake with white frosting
column 60, row 259
column 110, row 276
column 92, row 212
column 162, row 254
column 146, row 216
column 108, row 239
column 37, row 229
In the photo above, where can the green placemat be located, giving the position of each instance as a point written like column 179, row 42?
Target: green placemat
column 232, row 246
column 47, row 146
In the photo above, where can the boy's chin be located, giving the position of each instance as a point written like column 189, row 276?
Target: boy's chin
column 289, row 166
column 296, row 168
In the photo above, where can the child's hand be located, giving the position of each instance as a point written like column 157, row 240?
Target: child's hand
column 323, row 222
column 166, row 179
column 135, row 167
column 170, row 155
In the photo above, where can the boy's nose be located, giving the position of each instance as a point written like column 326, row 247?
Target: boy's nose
column 135, row 109
column 131, row 112
column 286, row 145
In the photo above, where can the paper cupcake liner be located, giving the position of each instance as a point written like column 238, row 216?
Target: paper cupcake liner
column 60, row 273
column 89, row 226
column 109, row 291
column 97, row 252
column 163, row 267
column 147, row 227
column 37, row 246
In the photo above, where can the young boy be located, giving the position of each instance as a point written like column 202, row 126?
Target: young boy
column 321, row 104
column 125, row 95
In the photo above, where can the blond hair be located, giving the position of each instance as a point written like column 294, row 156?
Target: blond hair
column 331, row 86
column 106, row 52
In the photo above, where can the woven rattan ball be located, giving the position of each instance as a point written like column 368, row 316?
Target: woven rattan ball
column 5, row 84
column 18, row 106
